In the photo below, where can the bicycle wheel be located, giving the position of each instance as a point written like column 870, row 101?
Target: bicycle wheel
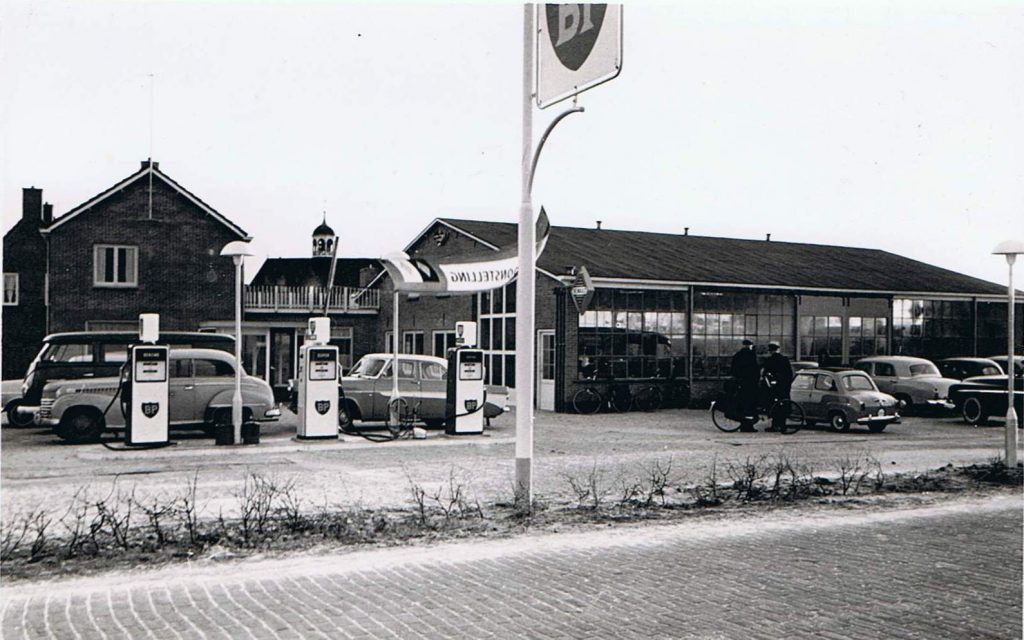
column 793, row 414
column 724, row 418
column 621, row 398
column 587, row 401
column 647, row 398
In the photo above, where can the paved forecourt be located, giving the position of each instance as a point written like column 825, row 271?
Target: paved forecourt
column 950, row 570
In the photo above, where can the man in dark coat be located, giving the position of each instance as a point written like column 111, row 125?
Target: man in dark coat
column 746, row 373
column 779, row 372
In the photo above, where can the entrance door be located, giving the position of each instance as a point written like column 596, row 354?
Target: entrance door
column 282, row 360
column 546, row 370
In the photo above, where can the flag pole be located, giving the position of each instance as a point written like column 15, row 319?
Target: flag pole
column 526, row 284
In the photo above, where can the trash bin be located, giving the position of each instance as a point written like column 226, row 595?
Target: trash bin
column 224, row 434
column 251, row 433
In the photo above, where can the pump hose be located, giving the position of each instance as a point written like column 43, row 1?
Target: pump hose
column 134, row 447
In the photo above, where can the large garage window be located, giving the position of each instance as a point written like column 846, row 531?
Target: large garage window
column 115, row 266
column 721, row 320
column 868, row 337
column 932, row 328
column 821, row 337
column 630, row 334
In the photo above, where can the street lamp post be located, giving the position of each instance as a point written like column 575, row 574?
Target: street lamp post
column 237, row 249
column 1011, row 249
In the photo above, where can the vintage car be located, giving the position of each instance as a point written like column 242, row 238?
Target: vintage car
column 914, row 381
column 90, row 354
column 842, row 397
column 962, row 368
column 978, row 399
column 201, row 385
column 422, row 383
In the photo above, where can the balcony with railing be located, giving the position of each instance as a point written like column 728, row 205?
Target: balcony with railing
column 282, row 299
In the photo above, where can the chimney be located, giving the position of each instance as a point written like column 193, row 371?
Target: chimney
column 32, row 205
column 686, row 231
column 768, row 238
column 47, row 214
column 145, row 164
column 598, row 225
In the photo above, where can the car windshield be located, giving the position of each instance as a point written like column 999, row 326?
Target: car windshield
column 858, row 382
column 367, row 367
column 923, row 369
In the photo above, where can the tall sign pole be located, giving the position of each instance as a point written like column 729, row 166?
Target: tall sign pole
column 526, row 283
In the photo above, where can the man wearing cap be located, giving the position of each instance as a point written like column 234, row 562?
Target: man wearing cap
column 746, row 373
column 779, row 373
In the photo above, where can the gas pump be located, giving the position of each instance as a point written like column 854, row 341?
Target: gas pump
column 464, row 405
column 146, row 390
column 319, row 375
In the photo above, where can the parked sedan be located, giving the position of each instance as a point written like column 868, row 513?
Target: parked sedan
column 979, row 398
column 914, row 381
column 1003, row 361
column 422, row 383
column 841, row 397
column 201, row 384
column 962, row 368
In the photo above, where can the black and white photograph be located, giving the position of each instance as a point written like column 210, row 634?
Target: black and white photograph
column 421, row 320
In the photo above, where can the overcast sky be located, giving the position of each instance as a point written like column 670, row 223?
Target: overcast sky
column 891, row 125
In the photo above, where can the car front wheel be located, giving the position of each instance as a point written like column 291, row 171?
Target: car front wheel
column 838, row 422
column 973, row 413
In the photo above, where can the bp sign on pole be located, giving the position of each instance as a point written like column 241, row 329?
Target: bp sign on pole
column 579, row 46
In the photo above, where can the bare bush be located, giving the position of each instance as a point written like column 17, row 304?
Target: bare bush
column 114, row 515
column 75, row 524
column 745, row 476
column 289, row 506
column 657, row 477
column 588, row 486
column 256, row 500
column 419, row 498
column 156, row 510
column 15, row 530
column 187, row 510
column 705, row 493
column 39, row 522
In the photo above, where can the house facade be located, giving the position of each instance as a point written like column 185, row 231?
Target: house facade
column 144, row 245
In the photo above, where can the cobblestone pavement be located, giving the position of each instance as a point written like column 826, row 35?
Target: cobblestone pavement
column 37, row 470
column 949, row 570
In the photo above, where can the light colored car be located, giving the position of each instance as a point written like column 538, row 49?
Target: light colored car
column 914, row 381
column 843, row 397
column 201, row 384
column 422, row 382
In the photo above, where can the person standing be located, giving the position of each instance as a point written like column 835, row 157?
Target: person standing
column 779, row 372
column 746, row 373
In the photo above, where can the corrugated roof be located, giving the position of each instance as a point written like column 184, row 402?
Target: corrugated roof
column 639, row 255
column 311, row 272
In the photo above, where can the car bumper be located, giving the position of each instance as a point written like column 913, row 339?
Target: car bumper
column 45, row 422
column 272, row 414
column 941, row 403
column 27, row 410
column 879, row 420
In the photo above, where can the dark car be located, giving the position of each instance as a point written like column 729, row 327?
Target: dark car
column 841, row 397
column 91, row 354
column 963, row 368
column 978, row 399
column 1018, row 363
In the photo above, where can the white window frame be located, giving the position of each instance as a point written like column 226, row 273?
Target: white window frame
column 492, row 313
column 406, row 335
column 449, row 341
column 98, row 250
column 344, row 333
column 17, row 289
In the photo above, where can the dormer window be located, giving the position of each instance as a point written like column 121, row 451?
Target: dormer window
column 115, row 266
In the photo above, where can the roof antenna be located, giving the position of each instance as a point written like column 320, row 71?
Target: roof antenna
column 599, row 225
column 686, row 231
column 151, row 126
column 768, row 238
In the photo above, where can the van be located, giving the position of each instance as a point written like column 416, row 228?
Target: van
column 92, row 354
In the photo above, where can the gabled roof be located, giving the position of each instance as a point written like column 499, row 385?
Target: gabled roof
column 311, row 272
column 686, row 259
column 143, row 172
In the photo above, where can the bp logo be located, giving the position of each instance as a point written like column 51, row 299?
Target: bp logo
column 150, row 409
column 322, row 406
column 573, row 29
column 471, row 405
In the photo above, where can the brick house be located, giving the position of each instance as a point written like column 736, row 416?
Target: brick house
column 144, row 245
